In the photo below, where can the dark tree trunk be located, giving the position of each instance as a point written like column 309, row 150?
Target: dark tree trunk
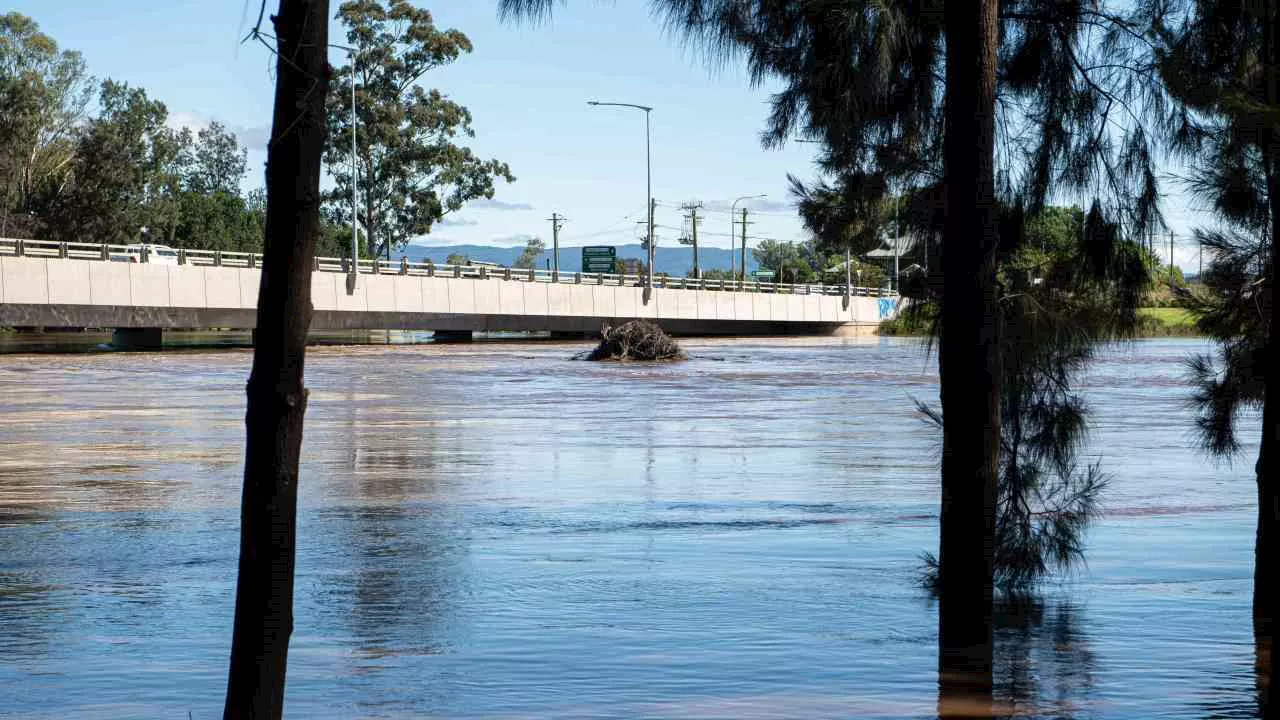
column 276, row 396
column 1266, row 600
column 968, row 360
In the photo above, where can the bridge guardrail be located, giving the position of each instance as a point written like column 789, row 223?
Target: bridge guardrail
column 226, row 258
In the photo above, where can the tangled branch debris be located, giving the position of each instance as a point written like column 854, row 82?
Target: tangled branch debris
column 635, row 340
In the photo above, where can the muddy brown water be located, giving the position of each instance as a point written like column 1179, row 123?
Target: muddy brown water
column 495, row 531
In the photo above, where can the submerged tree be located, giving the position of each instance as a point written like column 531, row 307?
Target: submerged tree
column 1070, row 285
column 277, row 398
column 1018, row 99
column 410, row 172
column 1223, row 62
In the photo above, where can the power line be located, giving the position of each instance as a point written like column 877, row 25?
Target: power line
column 613, row 227
column 722, row 234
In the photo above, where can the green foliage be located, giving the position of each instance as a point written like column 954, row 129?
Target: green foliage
column 456, row 259
column 116, row 172
column 1069, row 284
column 529, row 256
column 629, row 266
column 105, row 178
column 717, row 274
column 410, row 172
column 43, row 92
column 218, row 221
column 846, row 215
column 1166, row 322
column 786, row 259
column 1216, row 63
column 1233, row 309
column 915, row 318
column 214, row 161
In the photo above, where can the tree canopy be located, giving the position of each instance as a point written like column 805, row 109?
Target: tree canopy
column 410, row 172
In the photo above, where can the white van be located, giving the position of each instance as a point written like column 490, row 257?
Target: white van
column 154, row 254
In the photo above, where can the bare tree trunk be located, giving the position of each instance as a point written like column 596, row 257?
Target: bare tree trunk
column 276, row 396
column 968, row 361
column 1268, row 538
column 1266, row 599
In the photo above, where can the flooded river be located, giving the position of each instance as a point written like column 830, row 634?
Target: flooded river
column 494, row 531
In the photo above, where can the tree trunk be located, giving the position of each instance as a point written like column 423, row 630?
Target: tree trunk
column 1268, row 538
column 1266, row 600
column 276, row 396
column 968, row 360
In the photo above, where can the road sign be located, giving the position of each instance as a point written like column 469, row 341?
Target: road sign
column 762, row 274
column 599, row 258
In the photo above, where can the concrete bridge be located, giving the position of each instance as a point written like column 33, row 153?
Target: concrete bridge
column 47, row 284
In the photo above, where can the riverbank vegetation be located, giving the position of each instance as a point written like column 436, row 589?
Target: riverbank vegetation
column 916, row 320
column 84, row 159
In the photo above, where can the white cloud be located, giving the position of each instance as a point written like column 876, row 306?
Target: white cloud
column 756, row 204
column 491, row 204
column 253, row 138
column 191, row 121
column 515, row 240
column 457, row 222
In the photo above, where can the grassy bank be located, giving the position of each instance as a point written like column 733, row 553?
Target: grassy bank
column 1152, row 322
column 1166, row 322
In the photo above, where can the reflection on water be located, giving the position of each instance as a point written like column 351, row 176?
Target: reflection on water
column 494, row 531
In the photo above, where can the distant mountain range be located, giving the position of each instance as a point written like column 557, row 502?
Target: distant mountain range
column 676, row 260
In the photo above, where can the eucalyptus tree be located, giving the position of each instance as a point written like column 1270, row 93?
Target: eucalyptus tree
column 1223, row 62
column 44, row 92
column 410, row 171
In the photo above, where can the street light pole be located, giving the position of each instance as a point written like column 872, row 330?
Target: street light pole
column 355, row 203
column 732, row 208
column 355, row 184
column 648, row 179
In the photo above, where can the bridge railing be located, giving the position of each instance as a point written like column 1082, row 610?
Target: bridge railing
column 225, row 258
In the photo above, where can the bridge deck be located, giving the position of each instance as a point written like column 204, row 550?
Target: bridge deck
column 61, row 285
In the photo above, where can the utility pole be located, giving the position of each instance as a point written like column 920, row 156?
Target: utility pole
column 653, row 253
column 744, row 245
column 653, row 205
column 693, row 231
column 556, row 223
column 848, row 276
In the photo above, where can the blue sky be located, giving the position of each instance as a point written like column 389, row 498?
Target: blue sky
column 527, row 88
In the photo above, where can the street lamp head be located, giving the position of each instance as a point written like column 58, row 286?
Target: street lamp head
column 645, row 108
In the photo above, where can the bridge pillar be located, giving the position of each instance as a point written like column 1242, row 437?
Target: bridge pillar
column 451, row 336
column 137, row 338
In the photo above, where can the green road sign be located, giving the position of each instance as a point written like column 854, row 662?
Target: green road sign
column 599, row 258
column 762, row 274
